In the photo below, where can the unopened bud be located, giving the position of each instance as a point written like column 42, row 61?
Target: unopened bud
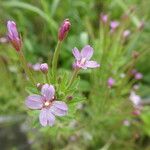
column 44, row 68
column 39, row 86
column 13, row 35
column 104, row 18
column 135, row 54
column 141, row 25
column 64, row 29
column 110, row 82
column 126, row 33
column 69, row 98
column 114, row 25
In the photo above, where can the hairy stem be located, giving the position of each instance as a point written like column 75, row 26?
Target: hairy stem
column 25, row 67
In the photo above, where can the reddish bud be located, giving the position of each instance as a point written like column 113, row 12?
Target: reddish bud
column 64, row 29
column 13, row 35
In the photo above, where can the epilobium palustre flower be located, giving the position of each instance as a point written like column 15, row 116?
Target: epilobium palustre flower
column 104, row 18
column 111, row 82
column 13, row 35
column 126, row 33
column 83, row 58
column 64, row 29
column 114, row 25
column 44, row 68
column 48, row 106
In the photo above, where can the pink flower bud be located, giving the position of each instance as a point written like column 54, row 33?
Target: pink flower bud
column 138, row 76
column 104, row 18
column 13, row 35
column 114, row 25
column 126, row 33
column 44, row 68
column 64, row 29
column 110, row 82
column 39, row 85
column 141, row 25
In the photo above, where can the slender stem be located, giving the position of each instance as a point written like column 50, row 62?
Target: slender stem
column 74, row 75
column 55, row 58
column 25, row 67
column 47, row 78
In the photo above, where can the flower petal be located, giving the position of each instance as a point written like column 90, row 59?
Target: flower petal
column 92, row 64
column 60, row 105
column 76, row 53
column 34, row 102
column 87, row 52
column 50, row 118
column 12, row 29
column 48, row 91
column 43, row 117
column 59, row 108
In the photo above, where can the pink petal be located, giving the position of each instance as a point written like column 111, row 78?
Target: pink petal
column 92, row 64
column 87, row 52
column 43, row 117
column 12, row 29
column 46, row 117
column 76, row 53
column 59, row 108
column 60, row 105
column 34, row 102
column 48, row 91
column 50, row 118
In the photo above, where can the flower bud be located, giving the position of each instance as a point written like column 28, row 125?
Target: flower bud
column 141, row 25
column 138, row 76
column 110, row 82
column 104, row 18
column 64, row 29
column 39, row 86
column 114, row 25
column 126, row 33
column 44, row 68
column 13, row 35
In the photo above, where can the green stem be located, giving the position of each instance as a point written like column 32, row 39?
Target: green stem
column 74, row 75
column 55, row 59
column 25, row 66
column 47, row 78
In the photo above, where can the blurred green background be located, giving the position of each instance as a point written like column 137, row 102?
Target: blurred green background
column 38, row 22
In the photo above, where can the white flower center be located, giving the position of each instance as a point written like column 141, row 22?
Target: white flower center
column 83, row 60
column 47, row 103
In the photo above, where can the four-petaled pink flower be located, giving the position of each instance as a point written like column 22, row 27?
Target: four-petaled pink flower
column 13, row 35
column 83, row 58
column 49, row 107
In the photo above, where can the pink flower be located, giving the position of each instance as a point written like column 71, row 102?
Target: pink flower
column 126, row 33
column 136, row 112
column 114, row 25
column 110, row 82
column 83, row 58
column 13, row 35
column 48, row 106
column 44, row 68
column 138, row 76
column 126, row 123
column 135, row 99
column 64, row 29
column 104, row 18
